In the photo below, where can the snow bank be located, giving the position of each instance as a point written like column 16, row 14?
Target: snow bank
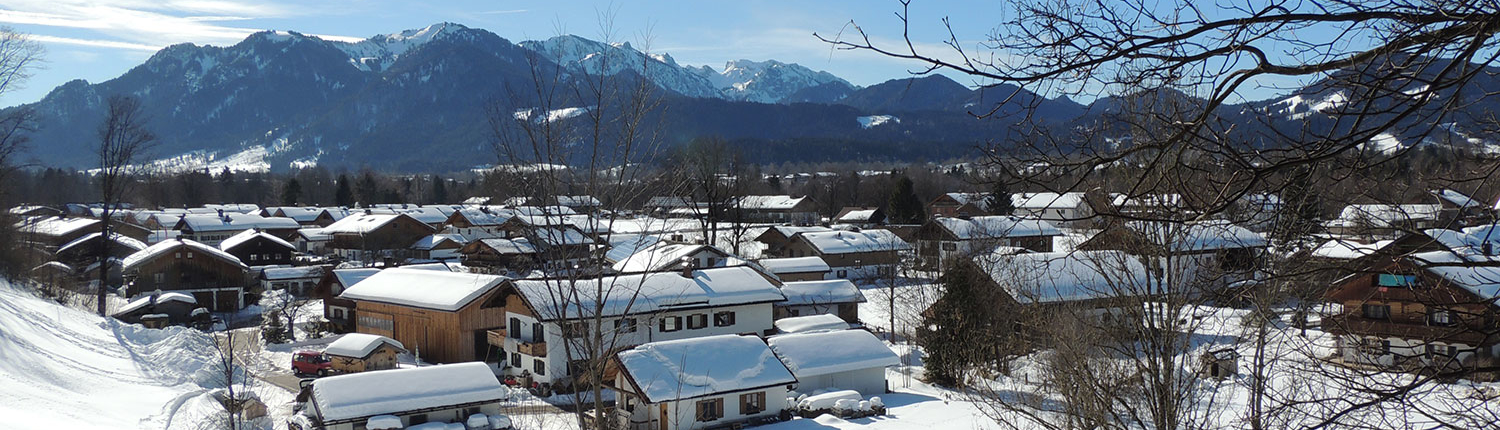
column 67, row 368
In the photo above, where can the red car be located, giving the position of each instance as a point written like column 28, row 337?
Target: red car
column 311, row 363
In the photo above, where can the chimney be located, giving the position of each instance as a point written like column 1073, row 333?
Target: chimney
column 687, row 266
column 1488, row 248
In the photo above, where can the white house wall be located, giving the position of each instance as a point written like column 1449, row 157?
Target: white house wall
column 869, row 381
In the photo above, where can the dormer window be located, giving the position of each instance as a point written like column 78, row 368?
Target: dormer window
column 1441, row 317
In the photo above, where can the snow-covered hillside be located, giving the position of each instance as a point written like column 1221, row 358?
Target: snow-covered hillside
column 767, row 81
column 63, row 368
column 609, row 59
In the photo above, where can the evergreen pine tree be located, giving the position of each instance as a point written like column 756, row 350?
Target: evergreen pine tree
column 948, row 335
column 439, row 190
column 999, row 199
column 343, row 196
column 291, row 192
column 905, row 207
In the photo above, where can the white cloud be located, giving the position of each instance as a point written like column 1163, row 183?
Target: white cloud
column 136, row 24
column 94, row 43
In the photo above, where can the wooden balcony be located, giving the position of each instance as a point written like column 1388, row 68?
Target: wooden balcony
column 1354, row 325
column 534, row 349
column 496, row 337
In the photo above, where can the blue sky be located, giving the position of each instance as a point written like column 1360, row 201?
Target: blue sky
column 100, row 39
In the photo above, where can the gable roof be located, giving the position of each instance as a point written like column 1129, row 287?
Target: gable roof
column 696, row 367
column 55, row 226
column 637, row 293
column 506, row 246
column 167, row 246
column 662, row 256
column 809, row 355
column 428, row 289
column 119, row 239
column 781, row 202
column 1457, row 199
column 996, row 226
column 1047, row 200
column 366, row 394
column 150, row 299
column 247, row 235
column 848, row 242
column 811, row 323
column 821, row 292
column 362, row 223
column 1065, row 276
column 359, row 345
column 779, row 266
column 233, row 221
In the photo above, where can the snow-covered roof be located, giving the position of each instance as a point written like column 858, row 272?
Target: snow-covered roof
column 147, row 300
column 996, row 226
column 811, row 323
column 510, row 246
column 55, row 266
column 1347, row 250
column 662, row 256
column 430, row 289
column 577, row 201
column 791, row 230
column 847, row 242
column 821, row 292
column 359, row 345
column 650, row 292
column 486, row 216
column 767, row 202
column 233, row 207
column 297, row 213
column 315, row 234
column 696, row 367
column 1039, row 201
column 857, row 216
column 1457, row 199
column 279, row 273
column 245, row 236
column 167, row 246
column 368, row 394
column 432, row 241
column 477, row 200
column 794, row 265
column 561, row 236
column 809, row 355
column 1063, row 276
column 622, row 246
column 119, row 239
column 1385, row 215
column 349, row 277
column 55, row 226
column 979, row 200
column 1199, row 236
column 236, row 221
column 361, row 223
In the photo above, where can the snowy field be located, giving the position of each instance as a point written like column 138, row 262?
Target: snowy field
column 64, row 368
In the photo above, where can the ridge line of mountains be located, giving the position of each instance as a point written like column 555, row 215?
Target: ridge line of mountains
column 414, row 101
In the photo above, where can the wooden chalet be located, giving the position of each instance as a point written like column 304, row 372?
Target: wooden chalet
column 861, row 254
column 258, row 248
column 369, row 237
column 776, row 238
column 498, row 256
column 447, row 317
column 774, row 209
column 216, row 279
column 942, row 239
column 1433, row 310
column 959, row 205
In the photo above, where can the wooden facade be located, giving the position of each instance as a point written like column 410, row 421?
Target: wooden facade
column 216, row 282
column 262, row 251
column 382, row 358
column 1399, row 313
column 438, row 336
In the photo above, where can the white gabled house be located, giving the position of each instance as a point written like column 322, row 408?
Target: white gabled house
column 449, row 393
column 637, row 308
column 723, row 381
column 1062, row 209
column 835, row 360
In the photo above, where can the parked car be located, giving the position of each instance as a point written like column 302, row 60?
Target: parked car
column 311, row 363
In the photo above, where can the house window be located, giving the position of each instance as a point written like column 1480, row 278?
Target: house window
column 1374, row 346
column 1439, row 316
column 723, row 319
column 671, row 324
column 177, row 255
column 254, row 257
column 1376, row 312
column 515, row 359
column 338, row 314
column 752, row 403
column 950, row 246
column 625, row 325
column 515, row 328
column 1435, row 350
column 417, row 419
column 697, row 321
column 539, row 367
column 711, row 409
column 843, row 274
column 538, row 333
column 161, row 278
column 190, row 255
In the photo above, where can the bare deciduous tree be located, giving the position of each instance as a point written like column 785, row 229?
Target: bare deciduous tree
column 123, row 141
